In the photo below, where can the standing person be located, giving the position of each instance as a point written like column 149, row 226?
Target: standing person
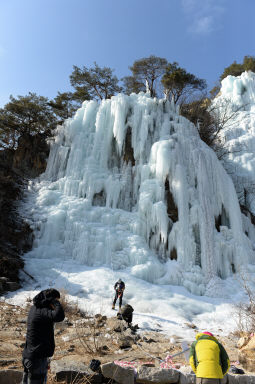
column 40, row 344
column 208, row 359
column 119, row 287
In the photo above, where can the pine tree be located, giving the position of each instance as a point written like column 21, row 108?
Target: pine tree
column 94, row 83
column 146, row 71
column 236, row 69
column 25, row 115
column 179, row 84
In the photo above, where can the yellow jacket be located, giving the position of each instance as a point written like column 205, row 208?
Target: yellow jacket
column 208, row 358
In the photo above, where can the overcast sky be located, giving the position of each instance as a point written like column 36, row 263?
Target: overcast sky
column 40, row 40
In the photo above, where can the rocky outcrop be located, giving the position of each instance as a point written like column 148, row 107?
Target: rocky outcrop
column 128, row 150
column 14, row 233
column 29, row 160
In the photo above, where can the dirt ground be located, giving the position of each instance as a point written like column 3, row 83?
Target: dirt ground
column 82, row 337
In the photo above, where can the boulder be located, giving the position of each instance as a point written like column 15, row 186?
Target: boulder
column 246, row 355
column 116, row 325
column 74, row 372
column 187, row 378
column 125, row 341
column 120, row 374
column 240, row 379
column 10, row 376
column 147, row 375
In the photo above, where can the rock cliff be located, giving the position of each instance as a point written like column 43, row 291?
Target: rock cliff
column 28, row 161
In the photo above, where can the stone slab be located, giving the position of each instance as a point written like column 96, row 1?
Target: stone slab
column 147, row 375
column 74, row 372
column 10, row 376
column 120, row 374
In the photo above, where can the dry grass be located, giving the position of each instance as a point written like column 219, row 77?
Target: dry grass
column 70, row 309
column 76, row 379
column 89, row 329
column 91, row 335
column 245, row 312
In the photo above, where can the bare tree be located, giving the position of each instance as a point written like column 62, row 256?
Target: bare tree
column 211, row 120
column 245, row 312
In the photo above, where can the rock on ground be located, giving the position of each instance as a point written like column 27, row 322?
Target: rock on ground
column 147, row 375
column 119, row 374
column 247, row 356
column 71, row 372
column 10, row 376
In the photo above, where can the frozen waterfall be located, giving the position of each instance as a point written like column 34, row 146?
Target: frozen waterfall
column 236, row 102
column 130, row 186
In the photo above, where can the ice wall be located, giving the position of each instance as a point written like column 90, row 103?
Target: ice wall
column 130, row 185
column 235, row 107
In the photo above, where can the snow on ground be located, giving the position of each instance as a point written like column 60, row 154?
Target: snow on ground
column 167, row 308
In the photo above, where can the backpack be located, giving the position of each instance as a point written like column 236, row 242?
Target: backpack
column 94, row 365
column 236, row 371
column 127, row 310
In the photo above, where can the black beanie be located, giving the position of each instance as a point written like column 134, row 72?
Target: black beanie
column 52, row 293
column 45, row 298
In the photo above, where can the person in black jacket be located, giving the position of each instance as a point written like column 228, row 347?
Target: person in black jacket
column 119, row 287
column 126, row 313
column 40, row 343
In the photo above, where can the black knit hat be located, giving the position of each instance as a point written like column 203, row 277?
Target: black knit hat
column 45, row 298
column 52, row 293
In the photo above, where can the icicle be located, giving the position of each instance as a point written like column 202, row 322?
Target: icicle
column 147, row 87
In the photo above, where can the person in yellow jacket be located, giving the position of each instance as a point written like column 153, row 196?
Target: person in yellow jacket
column 208, row 359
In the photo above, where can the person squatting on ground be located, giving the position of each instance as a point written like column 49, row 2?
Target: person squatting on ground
column 208, row 359
column 126, row 313
column 40, row 344
column 119, row 287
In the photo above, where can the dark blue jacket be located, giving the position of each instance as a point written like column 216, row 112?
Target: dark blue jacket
column 119, row 286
